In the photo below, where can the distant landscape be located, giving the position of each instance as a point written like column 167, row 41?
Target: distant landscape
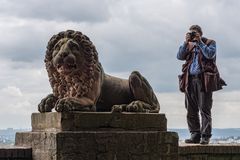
column 226, row 135
column 7, row 136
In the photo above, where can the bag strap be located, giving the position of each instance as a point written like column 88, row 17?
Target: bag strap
column 191, row 47
column 208, row 42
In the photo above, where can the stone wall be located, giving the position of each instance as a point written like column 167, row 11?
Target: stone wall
column 16, row 153
column 209, row 152
column 186, row 152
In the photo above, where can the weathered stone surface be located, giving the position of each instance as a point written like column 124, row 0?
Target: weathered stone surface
column 80, row 121
column 211, row 148
column 43, row 144
column 101, row 145
column 16, row 153
column 99, row 136
column 209, row 152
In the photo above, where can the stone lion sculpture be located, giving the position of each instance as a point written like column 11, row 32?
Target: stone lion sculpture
column 79, row 83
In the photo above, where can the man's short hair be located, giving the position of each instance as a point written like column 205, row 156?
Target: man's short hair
column 197, row 28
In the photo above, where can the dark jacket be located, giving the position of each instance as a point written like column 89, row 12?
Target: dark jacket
column 210, row 75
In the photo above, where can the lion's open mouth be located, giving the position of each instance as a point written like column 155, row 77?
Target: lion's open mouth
column 66, row 68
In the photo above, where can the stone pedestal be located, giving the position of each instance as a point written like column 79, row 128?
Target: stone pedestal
column 99, row 136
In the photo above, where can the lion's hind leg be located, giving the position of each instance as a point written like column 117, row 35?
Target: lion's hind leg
column 145, row 99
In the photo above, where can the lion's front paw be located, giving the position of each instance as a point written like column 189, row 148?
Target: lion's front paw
column 138, row 106
column 72, row 104
column 64, row 105
column 47, row 104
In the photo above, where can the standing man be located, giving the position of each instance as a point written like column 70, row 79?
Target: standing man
column 199, row 79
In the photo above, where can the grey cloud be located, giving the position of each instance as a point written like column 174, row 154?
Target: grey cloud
column 147, row 39
column 28, row 52
column 22, row 44
column 141, row 35
column 74, row 10
column 132, row 35
column 127, row 48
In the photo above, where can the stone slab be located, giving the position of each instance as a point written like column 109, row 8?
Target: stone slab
column 209, row 152
column 101, row 145
column 16, row 153
column 209, row 149
column 95, row 121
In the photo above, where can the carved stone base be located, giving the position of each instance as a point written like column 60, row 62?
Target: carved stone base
column 96, row 121
column 115, row 142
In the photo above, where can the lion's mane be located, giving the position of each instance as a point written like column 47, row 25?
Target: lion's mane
column 80, row 82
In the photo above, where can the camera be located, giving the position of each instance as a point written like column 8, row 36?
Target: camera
column 192, row 35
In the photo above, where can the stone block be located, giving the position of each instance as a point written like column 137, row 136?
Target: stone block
column 100, row 145
column 94, row 121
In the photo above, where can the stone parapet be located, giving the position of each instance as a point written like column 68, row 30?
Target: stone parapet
column 16, row 153
column 95, row 121
column 209, row 152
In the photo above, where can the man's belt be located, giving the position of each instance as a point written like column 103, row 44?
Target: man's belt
column 197, row 76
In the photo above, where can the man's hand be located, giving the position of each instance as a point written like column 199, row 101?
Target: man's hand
column 187, row 37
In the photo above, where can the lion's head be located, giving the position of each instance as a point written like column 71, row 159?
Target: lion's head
column 71, row 60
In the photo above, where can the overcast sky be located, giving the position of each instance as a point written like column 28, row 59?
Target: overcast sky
column 129, row 35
